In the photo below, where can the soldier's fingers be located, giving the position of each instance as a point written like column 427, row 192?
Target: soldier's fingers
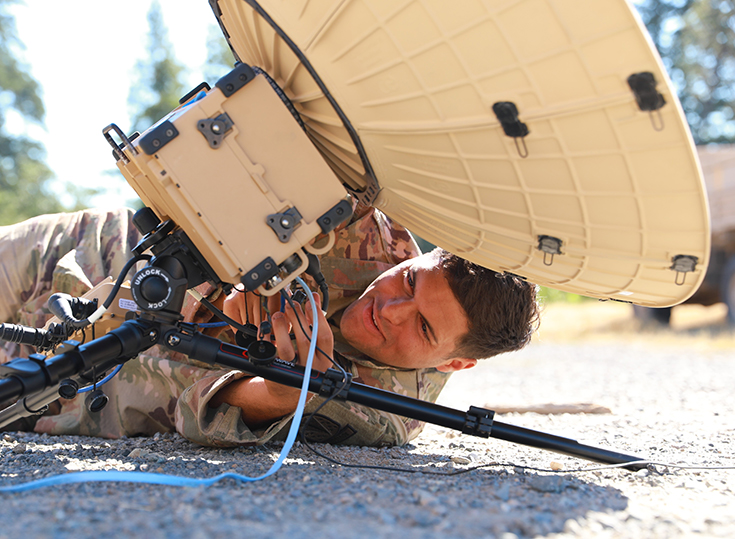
column 234, row 306
column 324, row 337
column 299, row 323
column 274, row 303
column 254, row 309
column 307, row 307
column 281, row 330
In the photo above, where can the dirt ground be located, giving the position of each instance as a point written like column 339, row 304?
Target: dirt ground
column 663, row 394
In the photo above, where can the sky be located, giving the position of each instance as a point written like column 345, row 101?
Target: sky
column 83, row 54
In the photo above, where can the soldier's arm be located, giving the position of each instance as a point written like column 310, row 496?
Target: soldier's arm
column 263, row 401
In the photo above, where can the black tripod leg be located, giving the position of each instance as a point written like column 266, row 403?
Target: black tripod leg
column 476, row 421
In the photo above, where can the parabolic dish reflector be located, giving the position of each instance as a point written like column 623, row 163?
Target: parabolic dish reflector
column 509, row 132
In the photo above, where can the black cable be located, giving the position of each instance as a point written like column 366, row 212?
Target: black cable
column 314, row 269
column 121, row 278
column 222, row 316
column 63, row 305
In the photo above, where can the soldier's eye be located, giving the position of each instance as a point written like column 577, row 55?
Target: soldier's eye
column 425, row 330
column 411, row 280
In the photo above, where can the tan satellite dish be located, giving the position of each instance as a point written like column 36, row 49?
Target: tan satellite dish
column 538, row 137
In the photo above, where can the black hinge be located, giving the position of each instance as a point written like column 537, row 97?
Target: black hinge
column 338, row 214
column 156, row 139
column 258, row 275
column 235, row 79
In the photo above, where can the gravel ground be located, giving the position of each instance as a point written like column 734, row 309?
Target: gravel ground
column 669, row 402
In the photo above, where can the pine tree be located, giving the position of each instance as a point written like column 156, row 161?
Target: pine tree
column 24, row 176
column 694, row 38
column 159, row 88
column 220, row 60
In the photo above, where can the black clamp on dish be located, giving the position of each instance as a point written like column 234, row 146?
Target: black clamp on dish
column 549, row 245
column 334, row 384
column 507, row 114
column 647, row 97
column 478, row 422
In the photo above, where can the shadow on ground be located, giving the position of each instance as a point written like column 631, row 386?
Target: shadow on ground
column 308, row 497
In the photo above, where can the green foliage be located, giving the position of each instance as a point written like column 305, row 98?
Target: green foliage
column 159, row 87
column 24, row 176
column 551, row 295
column 695, row 40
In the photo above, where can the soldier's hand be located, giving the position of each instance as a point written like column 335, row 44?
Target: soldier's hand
column 246, row 307
column 287, row 321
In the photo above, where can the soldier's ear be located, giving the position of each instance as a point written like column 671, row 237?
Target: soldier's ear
column 457, row 364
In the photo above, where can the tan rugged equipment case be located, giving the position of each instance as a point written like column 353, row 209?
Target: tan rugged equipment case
column 234, row 170
column 507, row 131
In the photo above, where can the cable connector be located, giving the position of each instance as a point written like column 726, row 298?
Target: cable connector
column 335, row 384
column 314, row 269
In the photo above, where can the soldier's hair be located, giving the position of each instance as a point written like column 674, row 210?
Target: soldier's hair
column 502, row 308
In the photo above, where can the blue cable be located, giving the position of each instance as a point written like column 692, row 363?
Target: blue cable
column 212, row 324
column 103, row 381
column 178, row 481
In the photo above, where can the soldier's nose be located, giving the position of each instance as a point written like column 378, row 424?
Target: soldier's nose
column 395, row 311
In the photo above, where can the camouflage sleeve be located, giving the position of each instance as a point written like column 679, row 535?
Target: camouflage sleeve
column 142, row 400
column 222, row 426
column 337, row 422
column 65, row 252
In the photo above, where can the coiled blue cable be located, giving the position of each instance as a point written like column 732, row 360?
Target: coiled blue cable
column 178, row 481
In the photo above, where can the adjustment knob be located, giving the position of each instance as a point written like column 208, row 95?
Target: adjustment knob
column 154, row 289
column 145, row 220
column 262, row 352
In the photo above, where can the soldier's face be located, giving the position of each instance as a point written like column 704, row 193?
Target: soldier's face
column 408, row 317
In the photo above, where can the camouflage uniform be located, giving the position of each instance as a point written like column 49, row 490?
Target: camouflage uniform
column 160, row 391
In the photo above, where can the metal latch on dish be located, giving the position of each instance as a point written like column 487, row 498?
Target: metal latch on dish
column 549, row 245
column 683, row 264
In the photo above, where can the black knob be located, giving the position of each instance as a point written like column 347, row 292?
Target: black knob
column 154, row 289
column 262, row 352
column 145, row 220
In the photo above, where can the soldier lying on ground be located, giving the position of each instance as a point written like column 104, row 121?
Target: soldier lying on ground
column 397, row 321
